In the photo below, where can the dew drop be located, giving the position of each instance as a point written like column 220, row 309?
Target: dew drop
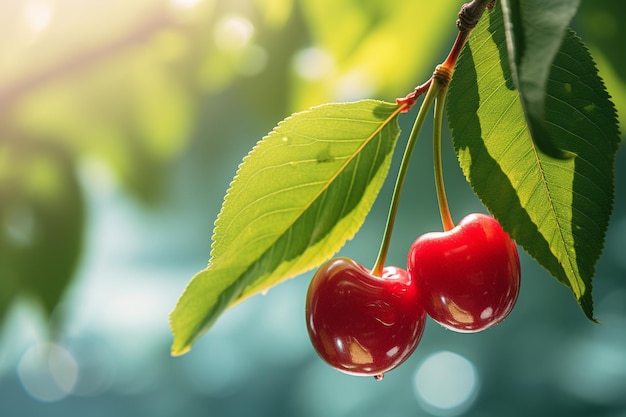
column 379, row 377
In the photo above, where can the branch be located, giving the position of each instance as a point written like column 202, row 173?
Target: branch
column 469, row 15
column 15, row 91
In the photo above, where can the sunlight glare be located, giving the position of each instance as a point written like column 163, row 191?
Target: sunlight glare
column 186, row 4
column 37, row 14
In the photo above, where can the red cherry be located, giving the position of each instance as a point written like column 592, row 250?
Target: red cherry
column 362, row 324
column 468, row 277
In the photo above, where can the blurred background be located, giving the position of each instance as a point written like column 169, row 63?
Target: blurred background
column 121, row 126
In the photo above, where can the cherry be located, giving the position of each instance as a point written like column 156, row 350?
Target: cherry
column 363, row 324
column 468, row 277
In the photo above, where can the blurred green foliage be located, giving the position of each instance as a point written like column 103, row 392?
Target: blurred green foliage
column 127, row 83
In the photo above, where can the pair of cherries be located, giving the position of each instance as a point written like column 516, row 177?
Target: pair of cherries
column 467, row 279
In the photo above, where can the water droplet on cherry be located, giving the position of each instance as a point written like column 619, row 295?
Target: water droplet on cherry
column 379, row 377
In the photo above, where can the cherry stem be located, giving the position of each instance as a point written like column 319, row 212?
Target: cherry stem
column 433, row 90
column 435, row 87
column 469, row 16
column 444, row 210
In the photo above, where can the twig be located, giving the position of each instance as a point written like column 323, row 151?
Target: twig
column 469, row 16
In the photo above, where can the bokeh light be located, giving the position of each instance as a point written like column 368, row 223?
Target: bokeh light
column 233, row 32
column 356, row 84
column 446, row 384
column 48, row 372
column 313, row 63
column 593, row 367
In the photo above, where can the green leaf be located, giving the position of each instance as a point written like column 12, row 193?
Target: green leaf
column 41, row 222
column 534, row 34
column 298, row 196
column 557, row 209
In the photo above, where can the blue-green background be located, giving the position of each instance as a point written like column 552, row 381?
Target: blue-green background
column 150, row 200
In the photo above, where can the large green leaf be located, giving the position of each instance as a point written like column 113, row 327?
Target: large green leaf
column 557, row 209
column 535, row 30
column 297, row 197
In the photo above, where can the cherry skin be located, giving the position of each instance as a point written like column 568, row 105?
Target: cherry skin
column 362, row 324
column 469, row 276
